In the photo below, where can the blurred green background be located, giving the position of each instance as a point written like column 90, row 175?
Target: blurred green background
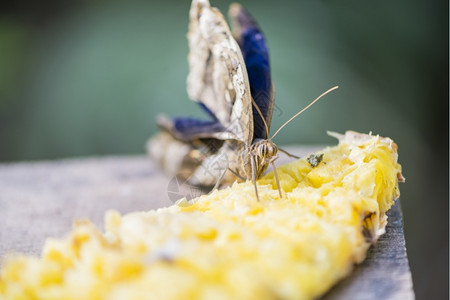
column 81, row 78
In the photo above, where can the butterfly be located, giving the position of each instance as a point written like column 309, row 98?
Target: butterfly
column 230, row 79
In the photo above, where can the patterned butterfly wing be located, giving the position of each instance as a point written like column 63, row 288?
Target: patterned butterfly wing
column 256, row 56
column 214, row 86
column 218, row 76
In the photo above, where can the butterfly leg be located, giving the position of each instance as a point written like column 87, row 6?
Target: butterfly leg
column 236, row 174
column 252, row 161
column 216, row 186
column 289, row 154
column 276, row 178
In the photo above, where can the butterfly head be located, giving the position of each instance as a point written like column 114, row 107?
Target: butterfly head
column 265, row 149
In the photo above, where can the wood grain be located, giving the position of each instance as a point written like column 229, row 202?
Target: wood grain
column 41, row 199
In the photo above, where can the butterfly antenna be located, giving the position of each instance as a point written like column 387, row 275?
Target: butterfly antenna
column 261, row 115
column 308, row 106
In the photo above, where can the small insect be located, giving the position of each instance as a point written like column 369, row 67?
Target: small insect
column 230, row 79
column 314, row 159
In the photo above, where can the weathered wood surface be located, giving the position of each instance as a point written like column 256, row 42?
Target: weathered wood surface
column 41, row 199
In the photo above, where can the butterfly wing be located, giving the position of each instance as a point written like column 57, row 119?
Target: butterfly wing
column 256, row 56
column 221, row 74
column 218, row 76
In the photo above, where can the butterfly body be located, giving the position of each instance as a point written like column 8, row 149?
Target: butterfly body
column 262, row 152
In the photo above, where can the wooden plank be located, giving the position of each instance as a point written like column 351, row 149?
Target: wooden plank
column 41, row 199
column 385, row 273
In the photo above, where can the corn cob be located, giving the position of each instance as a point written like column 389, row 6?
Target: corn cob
column 227, row 245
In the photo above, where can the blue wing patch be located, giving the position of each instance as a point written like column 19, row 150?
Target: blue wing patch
column 188, row 129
